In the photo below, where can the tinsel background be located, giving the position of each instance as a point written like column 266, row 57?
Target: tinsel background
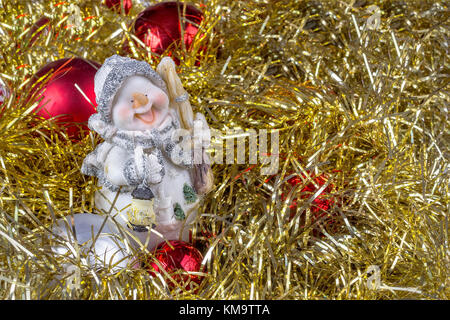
column 359, row 99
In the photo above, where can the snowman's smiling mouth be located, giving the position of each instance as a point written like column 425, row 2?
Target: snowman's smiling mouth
column 146, row 115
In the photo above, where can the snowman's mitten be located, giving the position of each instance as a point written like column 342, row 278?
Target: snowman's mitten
column 153, row 169
column 177, row 154
column 201, row 133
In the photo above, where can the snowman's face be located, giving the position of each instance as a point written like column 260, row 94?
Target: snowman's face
column 139, row 105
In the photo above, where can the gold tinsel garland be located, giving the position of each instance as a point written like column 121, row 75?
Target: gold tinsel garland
column 358, row 90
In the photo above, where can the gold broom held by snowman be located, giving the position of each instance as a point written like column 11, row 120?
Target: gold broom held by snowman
column 202, row 175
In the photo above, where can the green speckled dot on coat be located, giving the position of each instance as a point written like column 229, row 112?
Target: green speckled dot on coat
column 178, row 211
column 189, row 194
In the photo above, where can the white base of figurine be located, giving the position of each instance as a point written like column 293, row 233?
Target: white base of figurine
column 164, row 230
column 108, row 250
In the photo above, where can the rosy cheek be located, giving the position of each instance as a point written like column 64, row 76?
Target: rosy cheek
column 160, row 99
column 124, row 113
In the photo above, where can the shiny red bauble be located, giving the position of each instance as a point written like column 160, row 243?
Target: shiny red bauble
column 118, row 5
column 321, row 206
column 67, row 93
column 321, row 202
column 160, row 26
column 178, row 256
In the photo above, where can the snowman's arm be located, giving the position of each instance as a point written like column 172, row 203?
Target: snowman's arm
column 121, row 168
column 114, row 167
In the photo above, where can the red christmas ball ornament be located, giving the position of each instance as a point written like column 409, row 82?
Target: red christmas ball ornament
column 321, row 205
column 176, row 256
column 67, row 93
column 159, row 26
column 118, row 5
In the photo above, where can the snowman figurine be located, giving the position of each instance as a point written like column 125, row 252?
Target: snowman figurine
column 149, row 170
column 148, row 179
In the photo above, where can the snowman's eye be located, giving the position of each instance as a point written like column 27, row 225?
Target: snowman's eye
column 132, row 101
column 145, row 94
